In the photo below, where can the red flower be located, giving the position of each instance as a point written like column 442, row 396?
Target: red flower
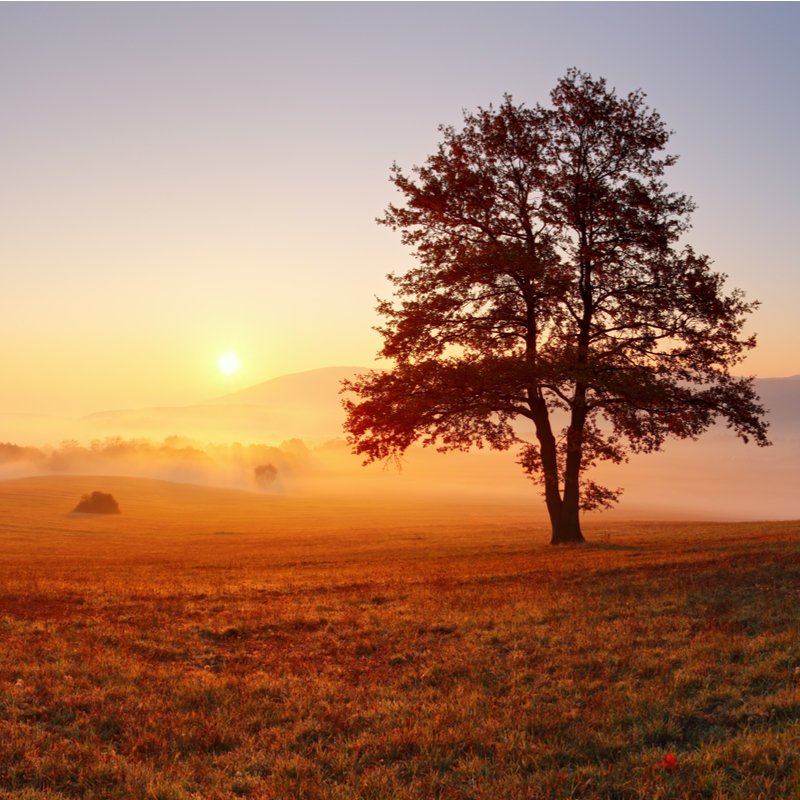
column 670, row 762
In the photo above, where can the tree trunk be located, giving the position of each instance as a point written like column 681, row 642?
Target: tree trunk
column 568, row 529
column 547, row 449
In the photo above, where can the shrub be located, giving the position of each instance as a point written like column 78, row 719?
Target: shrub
column 97, row 503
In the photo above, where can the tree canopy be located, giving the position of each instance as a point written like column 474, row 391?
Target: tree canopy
column 553, row 285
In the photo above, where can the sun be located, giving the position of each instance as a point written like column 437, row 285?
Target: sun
column 228, row 363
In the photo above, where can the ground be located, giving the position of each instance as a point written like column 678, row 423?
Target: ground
column 219, row 644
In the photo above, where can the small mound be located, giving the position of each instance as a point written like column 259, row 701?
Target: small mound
column 97, row 503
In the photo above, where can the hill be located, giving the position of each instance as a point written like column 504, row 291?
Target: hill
column 304, row 405
column 316, row 389
column 308, row 405
column 155, row 512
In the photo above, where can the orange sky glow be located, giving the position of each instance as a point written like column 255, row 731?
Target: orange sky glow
column 181, row 181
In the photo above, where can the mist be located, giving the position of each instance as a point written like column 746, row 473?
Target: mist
column 720, row 479
column 301, row 452
column 252, row 467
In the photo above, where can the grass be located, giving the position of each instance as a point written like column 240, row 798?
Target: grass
column 219, row 645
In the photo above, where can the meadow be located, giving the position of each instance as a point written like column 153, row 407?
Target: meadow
column 210, row 643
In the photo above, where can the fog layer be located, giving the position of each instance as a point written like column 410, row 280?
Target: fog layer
column 302, row 453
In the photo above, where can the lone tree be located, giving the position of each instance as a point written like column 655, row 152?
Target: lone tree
column 551, row 286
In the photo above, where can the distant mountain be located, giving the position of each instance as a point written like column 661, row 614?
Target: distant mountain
column 308, row 405
column 304, row 405
column 313, row 388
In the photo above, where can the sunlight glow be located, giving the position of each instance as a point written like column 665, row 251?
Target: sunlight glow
column 228, row 363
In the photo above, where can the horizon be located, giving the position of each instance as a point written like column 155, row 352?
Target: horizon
column 258, row 383
column 55, row 413
column 221, row 443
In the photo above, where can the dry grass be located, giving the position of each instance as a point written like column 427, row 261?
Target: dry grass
column 215, row 644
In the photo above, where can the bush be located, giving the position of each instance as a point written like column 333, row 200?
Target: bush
column 97, row 503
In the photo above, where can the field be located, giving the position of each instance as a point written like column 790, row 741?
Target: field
column 217, row 644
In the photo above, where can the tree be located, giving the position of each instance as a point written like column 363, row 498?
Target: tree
column 551, row 286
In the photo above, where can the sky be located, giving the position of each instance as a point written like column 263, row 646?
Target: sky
column 183, row 180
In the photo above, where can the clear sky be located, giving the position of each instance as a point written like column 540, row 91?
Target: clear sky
column 182, row 180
